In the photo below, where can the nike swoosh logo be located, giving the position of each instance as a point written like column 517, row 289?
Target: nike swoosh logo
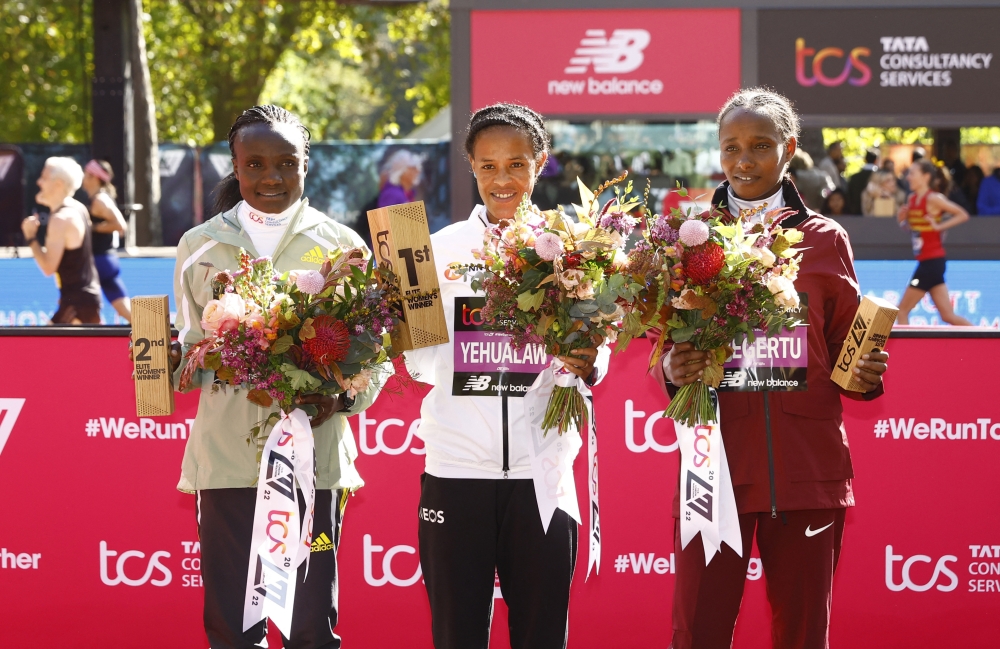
column 812, row 532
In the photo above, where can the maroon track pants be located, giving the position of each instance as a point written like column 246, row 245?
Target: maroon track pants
column 799, row 551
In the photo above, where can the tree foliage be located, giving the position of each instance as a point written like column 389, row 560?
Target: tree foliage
column 46, row 61
column 350, row 70
column 855, row 141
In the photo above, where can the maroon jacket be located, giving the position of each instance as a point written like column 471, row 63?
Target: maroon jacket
column 810, row 457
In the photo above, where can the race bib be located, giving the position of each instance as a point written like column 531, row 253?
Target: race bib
column 773, row 363
column 486, row 363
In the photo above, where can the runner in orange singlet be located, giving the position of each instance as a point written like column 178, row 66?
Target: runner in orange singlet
column 922, row 214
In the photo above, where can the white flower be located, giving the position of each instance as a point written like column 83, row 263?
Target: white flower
column 764, row 255
column 548, row 245
column 570, row 278
column 784, row 291
column 583, row 290
column 693, row 232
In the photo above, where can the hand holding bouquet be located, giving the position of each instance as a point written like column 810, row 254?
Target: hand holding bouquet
column 549, row 279
column 712, row 279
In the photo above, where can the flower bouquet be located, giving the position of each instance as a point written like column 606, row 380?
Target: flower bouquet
column 557, row 281
column 712, row 279
column 303, row 332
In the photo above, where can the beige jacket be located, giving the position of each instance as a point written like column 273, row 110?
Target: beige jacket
column 219, row 454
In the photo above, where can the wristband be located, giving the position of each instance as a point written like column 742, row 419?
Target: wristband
column 347, row 402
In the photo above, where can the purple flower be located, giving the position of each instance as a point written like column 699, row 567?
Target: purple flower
column 619, row 222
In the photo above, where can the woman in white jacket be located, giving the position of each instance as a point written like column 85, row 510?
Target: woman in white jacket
column 478, row 511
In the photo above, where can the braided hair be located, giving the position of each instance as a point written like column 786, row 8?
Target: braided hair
column 227, row 193
column 520, row 118
column 769, row 104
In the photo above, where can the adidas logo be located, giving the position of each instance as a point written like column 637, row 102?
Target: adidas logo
column 314, row 256
column 321, row 543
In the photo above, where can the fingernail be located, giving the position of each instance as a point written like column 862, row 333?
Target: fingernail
column 861, row 363
column 857, row 371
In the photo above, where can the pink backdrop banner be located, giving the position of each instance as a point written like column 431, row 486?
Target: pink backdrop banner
column 606, row 62
column 98, row 549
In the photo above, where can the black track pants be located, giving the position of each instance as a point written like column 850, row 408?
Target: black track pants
column 471, row 528
column 225, row 529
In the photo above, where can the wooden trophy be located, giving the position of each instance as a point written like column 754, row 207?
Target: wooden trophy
column 154, row 388
column 402, row 241
column 869, row 331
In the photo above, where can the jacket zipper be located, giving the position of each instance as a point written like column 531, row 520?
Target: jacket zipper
column 770, row 455
column 506, row 444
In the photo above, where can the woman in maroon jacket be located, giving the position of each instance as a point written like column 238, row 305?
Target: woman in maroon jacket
column 788, row 454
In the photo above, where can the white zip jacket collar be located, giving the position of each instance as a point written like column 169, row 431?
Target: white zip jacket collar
column 464, row 435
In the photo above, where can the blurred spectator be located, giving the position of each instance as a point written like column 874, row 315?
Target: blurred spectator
column 882, row 196
column 67, row 252
column 402, row 172
column 835, row 203
column 857, row 183
column 890, row 165
column 814, row 185
column 942, row 183
column 833, row 164
column 952, row 156
column 988, row 200
column 106, row 220
column 973, row 179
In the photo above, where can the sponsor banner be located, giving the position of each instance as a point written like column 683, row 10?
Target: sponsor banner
column 773, row 363
column 486, row 363
column 610, row 62
column 882, row 61
column 920, row 567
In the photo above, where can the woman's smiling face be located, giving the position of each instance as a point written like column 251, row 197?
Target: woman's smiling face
column 503, row 160
column 271, row 165
column 754, row 155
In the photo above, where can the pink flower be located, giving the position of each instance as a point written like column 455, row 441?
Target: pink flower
column 223, row 314
column 310, row 282
column 548, row 245
column 694, row 232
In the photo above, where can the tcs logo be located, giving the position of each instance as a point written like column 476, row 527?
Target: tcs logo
column 906, row 582
column 381, row 446
column 388, row 577
column 648, row 442
column 472, row 317
column 122, row 578
column 853, row 62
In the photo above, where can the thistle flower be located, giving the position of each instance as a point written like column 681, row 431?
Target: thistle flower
column 694, row 232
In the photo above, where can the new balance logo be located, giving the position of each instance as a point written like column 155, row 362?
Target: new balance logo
column 734, row 379
column 477, row 383
column 321, row 543
column 314, row 256
column 620, row 53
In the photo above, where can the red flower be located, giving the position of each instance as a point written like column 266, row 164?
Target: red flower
column 702, row 263
column 330, row 343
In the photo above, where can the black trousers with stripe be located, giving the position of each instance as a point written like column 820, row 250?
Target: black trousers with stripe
column 473, row 530
column 225, row 530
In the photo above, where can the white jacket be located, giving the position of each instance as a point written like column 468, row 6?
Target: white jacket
column 464, row 434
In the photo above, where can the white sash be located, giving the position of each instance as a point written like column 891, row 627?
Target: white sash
column 281, row 541
column 552, row 456
column 708, row 504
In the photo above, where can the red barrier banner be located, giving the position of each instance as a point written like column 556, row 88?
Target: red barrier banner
column 98, row 549
column 606, row 62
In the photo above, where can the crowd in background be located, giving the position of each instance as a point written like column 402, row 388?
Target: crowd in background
column 879, row 189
